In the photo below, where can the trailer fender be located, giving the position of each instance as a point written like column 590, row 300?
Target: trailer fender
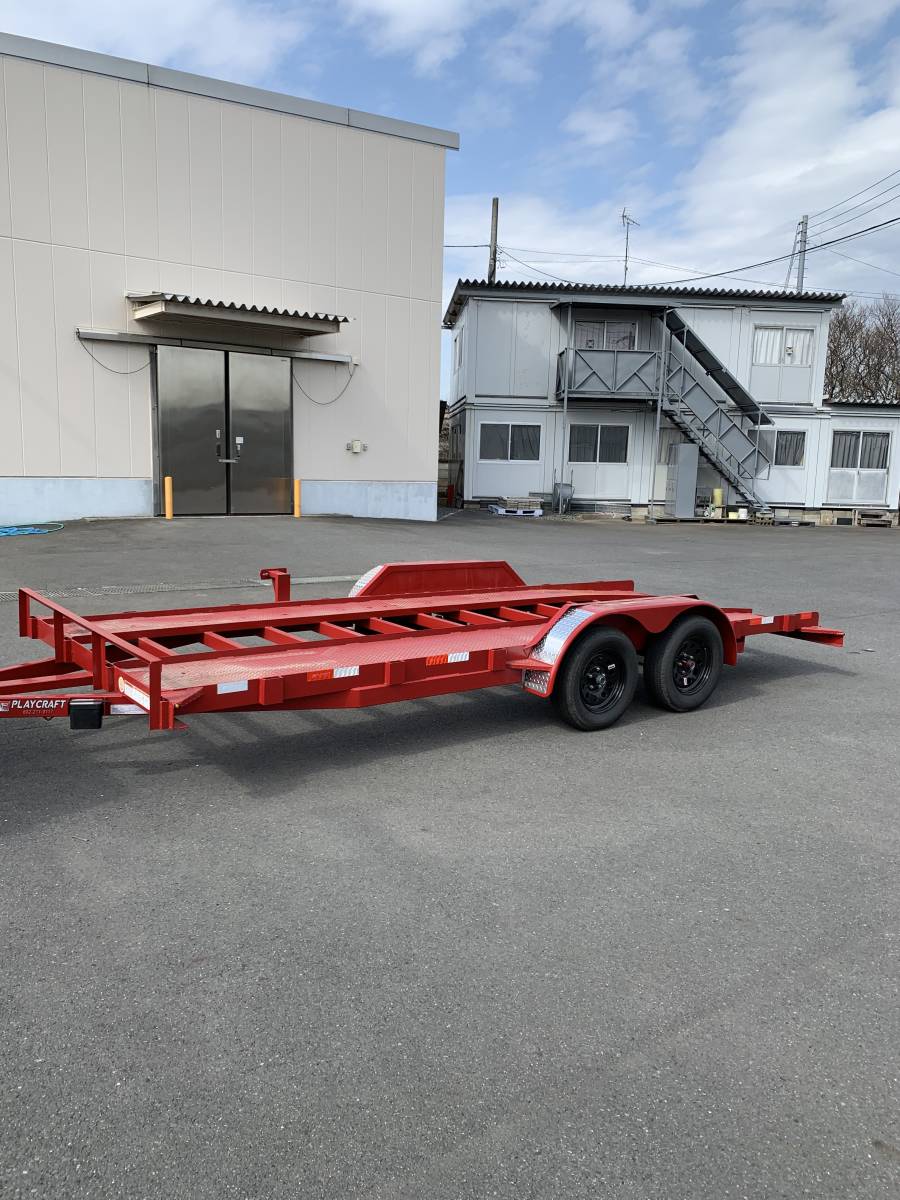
column 639, row 622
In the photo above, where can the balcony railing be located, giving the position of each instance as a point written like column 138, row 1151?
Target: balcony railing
column 629, row 374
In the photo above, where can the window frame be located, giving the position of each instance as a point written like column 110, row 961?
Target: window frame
column 860, row 435
column 783, row 359
column 604, row 324
column 509, row 428
column 597, row 461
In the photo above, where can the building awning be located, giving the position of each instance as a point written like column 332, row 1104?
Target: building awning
column 171, row 307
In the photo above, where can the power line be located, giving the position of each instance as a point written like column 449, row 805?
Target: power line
column 767, row 262
column 731, row 273
column 865, row 212
column 841, row 203
column 647, row 262
column 862, row 203
column 529, row 267
column 864, row 263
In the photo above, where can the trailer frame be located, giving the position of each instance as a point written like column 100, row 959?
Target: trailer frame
column 406, row 631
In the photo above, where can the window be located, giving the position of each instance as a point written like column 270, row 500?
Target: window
column 767, row 345
column 853, row 450
column 874, row 451
column 589, row 335
column 790, row 448
column 798, row 344
column 777, row 347
column 620, row 335
column 613, row 444
column 524, row 443
column 509, row 443
column 583, row 443
column 598, row 443
column 605, row 335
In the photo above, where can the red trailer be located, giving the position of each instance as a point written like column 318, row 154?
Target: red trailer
column 406, row 630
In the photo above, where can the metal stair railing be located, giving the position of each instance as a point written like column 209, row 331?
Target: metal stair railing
column 726, row 437
column 714, row 453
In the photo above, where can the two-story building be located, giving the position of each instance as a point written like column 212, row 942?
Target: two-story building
column 594, row 385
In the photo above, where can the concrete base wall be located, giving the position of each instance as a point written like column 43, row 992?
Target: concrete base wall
column 370, row 498
column 26, row 500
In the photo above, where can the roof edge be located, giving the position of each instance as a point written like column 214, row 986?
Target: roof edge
column 466, row 287
column 58, row 55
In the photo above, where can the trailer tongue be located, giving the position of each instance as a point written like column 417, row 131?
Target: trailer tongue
column 407, row 630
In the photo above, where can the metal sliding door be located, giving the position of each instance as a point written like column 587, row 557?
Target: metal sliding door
column 259, row 397
column 191, row 398
column 225, row 430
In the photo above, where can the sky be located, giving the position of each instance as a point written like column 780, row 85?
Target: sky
column 716, row 123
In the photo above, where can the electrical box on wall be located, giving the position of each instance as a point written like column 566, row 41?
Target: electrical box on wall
column 681, row 481
column 356, row 446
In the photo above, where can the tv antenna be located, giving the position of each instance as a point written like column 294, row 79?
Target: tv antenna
column 627, row 222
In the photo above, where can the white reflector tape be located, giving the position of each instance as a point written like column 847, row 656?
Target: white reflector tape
column 235, row 685
column 766, row 620
column 364, row 579
column 134, row 693
column 549, row 647
column 125, row 710
column 458, row 656
column 344, row 672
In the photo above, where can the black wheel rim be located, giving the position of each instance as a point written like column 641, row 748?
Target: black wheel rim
column 602, row 682
column 692, row 666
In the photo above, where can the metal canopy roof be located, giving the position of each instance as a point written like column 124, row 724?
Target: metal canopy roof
column 648, row 295
column 735, row 391
column 168, row 307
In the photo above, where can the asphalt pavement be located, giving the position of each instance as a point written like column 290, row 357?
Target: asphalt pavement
column 451, row 949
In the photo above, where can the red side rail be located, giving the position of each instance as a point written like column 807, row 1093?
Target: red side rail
column 802, row 625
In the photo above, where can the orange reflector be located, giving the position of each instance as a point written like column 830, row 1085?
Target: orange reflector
column 436, row 660
column 313, row 676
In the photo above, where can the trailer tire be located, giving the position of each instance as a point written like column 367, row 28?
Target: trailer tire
column 597, row 679
column 683, row 665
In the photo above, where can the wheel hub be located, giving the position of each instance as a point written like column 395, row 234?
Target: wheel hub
column 602, row 681
column 692, row 665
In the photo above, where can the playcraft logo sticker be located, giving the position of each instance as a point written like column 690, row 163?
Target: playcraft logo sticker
column 39, row 707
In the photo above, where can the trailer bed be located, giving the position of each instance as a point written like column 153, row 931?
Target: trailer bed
column 407, row 630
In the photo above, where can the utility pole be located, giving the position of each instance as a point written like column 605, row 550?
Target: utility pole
column 627, row 222
column 801, row 251
column 492, row 255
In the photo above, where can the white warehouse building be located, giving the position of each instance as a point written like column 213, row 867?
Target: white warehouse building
column 202, row 280
column 598, row 386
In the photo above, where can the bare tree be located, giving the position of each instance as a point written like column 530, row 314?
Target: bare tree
column 864, row 352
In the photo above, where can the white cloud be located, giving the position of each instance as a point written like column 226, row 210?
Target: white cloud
column 596, row 127
column 804, row 116
column 432, row 34
column 220, row 37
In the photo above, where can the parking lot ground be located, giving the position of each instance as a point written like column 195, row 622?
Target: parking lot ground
column 452, row 949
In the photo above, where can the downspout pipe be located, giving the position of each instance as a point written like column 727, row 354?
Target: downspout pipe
column 661, row 383
column 568, row 365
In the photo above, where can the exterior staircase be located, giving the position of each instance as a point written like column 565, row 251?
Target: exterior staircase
column 712, row 409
